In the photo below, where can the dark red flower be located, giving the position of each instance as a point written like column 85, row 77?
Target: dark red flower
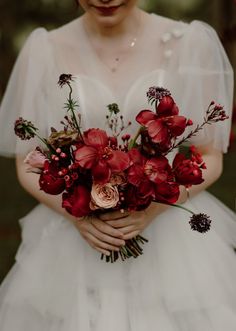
column 98, row 156
column 167, row 192
column 50, row 181
column 77, row 201
column 137, row 198
column 187, row 171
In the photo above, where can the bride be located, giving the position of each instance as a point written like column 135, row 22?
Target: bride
column 184, row 281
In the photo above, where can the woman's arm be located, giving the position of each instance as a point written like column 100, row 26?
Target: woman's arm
column 100, row 235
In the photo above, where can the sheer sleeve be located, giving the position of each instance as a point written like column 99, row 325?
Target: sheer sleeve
column 25, row 93
column 205, row 75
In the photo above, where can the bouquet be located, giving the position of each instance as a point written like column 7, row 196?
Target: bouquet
column 97, row 172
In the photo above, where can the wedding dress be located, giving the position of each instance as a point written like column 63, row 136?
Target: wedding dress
column 184, row 281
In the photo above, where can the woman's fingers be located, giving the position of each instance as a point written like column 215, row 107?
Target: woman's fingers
column 121, row 222
column 113, row 215
column 113, row 242
column 106, row 228
column 97, row 243
column 131, row 234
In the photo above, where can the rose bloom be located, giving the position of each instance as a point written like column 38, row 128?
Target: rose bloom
column 104, row 196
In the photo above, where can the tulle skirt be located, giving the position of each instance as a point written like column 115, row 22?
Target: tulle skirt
column 184, row 281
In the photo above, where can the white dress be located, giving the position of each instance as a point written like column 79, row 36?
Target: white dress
column 185, row 281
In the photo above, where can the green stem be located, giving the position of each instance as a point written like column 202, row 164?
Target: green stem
column 175, row 205
column 71, row 108
column 133, row 141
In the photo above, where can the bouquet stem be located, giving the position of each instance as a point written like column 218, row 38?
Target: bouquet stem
column 132, row 248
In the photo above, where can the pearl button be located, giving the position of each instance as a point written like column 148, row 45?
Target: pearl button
column 166, row 37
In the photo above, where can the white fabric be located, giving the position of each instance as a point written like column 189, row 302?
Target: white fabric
column 185, row 281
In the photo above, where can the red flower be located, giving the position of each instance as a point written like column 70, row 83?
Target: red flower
column 167, row 192
column 77, row 201
column 136, row 198
column 50, row 181
column 165, row 124
column 98, row 156
column 156, row 169
column 187, row 171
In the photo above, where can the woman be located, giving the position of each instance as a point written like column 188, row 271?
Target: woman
column 184, row 281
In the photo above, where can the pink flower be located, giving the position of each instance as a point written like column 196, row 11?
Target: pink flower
column 35, row 160
column 98, row 156
column 104, row 196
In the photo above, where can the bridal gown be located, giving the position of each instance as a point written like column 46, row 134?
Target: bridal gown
column 184, row 281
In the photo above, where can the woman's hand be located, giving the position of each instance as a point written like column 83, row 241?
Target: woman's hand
column 131, row 224
column 100, row 235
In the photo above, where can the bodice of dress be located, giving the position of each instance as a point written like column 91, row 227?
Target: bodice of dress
column 144, row 66
column 187, row 59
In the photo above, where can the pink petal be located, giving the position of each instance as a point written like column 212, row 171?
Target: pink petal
column 96, row 138
column 86, row 156
column 145, row 116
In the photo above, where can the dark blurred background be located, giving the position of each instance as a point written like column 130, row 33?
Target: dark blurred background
column 19, row 18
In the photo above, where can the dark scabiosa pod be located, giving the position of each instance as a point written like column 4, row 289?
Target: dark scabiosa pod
column 200, row 222
column 65, row 79
column 25, row 130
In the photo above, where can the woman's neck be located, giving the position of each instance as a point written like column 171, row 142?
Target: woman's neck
column 115, row 31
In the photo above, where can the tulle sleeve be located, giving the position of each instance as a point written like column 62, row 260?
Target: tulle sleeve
column 25, row 94
column 205, row 75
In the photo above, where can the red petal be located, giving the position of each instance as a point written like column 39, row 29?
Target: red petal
column 96, row 138
column 165, row 106
column 136, row 175
column 145, row 116
column 86, row 156
column 157, row 131
column 136, row 157
column 179, row 157
column 119, row 161
column 177, row 125
column 157, row 169
column 101, row 172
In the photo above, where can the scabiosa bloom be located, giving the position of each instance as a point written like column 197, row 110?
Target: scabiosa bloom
column 200, row 222
column 25, row 130
column 157, row 93
column 65, row 79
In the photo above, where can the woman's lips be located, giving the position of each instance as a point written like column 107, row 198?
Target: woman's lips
column 107, row 11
